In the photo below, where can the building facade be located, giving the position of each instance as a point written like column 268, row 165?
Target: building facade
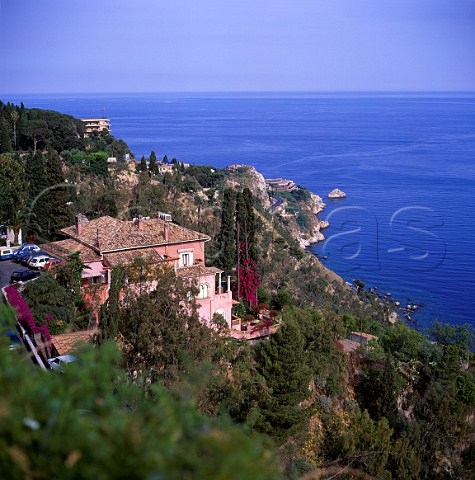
column 96, row 125
column 106, row 242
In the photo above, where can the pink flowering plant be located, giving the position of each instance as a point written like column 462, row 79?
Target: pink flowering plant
column 248, row 282
column 25, row 317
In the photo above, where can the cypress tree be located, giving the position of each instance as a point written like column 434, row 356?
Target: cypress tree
column 226, row 238
column 282, row 362
column 37, row 180
column 251, row 225
column 246, row 226
column 153, row 165
column 110, row 311
column 12, row 188
column 58, row 195
column 5, row 140
column 142, row 166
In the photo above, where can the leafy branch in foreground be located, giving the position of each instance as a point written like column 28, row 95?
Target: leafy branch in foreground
column 90, row 423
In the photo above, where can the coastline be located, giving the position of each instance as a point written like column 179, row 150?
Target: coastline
column 319, row 148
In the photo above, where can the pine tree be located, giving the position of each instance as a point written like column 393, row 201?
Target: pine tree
column 282, row 362
column 380, row 389
column 153, row 165
column 226, row 238
column 58, row 195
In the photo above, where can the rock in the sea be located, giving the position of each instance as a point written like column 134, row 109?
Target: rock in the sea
column 337, row 193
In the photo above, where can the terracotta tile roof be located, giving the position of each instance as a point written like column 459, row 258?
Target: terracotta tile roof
column 115, row 234
column 368, row 336
column 63, row 248
column 69, row 342
column 127, row 257
column 197, row 270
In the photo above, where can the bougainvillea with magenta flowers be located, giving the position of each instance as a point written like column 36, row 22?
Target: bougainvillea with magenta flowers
column 248, row 282
column 25, row 317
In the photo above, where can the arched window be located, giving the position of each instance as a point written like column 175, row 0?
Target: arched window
column 204, row 291
column 221, row 312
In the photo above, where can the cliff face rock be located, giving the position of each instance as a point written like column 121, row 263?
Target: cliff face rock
column 298, row 209
column 300, row 217
column 337, row 193
column 314, row 235
column 242, row 176
column 316, row 203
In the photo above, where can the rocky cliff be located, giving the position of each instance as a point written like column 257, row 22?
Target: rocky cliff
column 298, row 211
column 298, row 208
column 242, row 176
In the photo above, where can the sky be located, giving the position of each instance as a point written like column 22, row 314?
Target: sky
column 66, row 46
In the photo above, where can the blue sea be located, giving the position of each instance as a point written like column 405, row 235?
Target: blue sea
column 406, row 162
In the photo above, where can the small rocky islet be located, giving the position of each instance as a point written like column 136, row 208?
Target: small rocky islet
column 336, row 193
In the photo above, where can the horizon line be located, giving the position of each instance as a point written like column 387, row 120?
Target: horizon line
column 249, row 92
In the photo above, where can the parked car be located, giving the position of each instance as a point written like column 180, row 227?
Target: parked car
column 39, row 262
column 52, row 263
column 30, row 256
column 58, row 363
column 23, row 276
column 26, row 260
column 6, row 253
column 15, row 342
column 25, row 250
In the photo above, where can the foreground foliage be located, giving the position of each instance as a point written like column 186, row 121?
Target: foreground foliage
column 90, row 423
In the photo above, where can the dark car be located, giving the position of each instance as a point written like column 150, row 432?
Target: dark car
column 24, row 251
column 23, row 276
column 15, row 342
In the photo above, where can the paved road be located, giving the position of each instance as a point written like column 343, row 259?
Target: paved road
column 277, row 202
column 7, row 267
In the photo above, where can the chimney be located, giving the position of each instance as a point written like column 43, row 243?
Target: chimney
column 165, row 233
column 140, row 223
column 80, row 220
column 78, row 225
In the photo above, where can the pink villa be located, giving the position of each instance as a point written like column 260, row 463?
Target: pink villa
column 107, row 242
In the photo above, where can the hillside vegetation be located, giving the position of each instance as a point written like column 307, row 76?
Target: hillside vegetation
column 185, row 401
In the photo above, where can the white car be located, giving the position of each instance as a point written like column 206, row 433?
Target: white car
column 38, row 262
column 57, row 363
